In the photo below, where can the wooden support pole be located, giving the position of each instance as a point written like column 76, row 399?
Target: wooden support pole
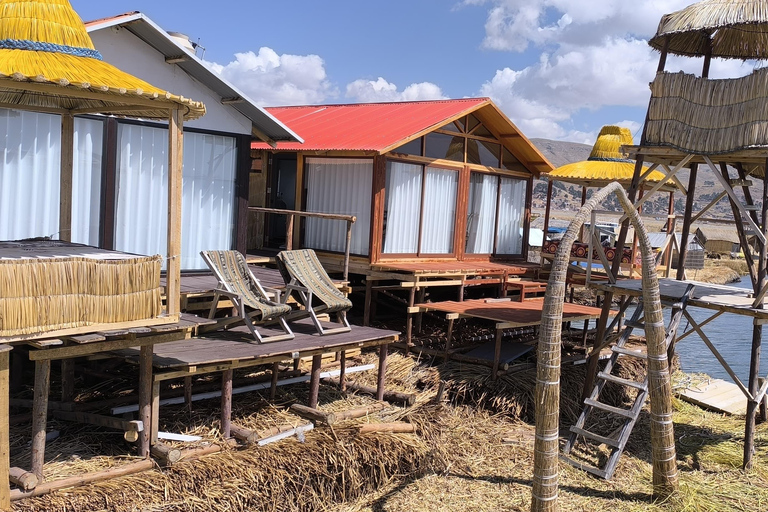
column 243, row 434
column 289, row 233
column 5, row 444
column 393, row 428
column 763, row 415
column 497, row 354
column 173, row 267
column 448, row 339
column 549, row 205
column 741, row 232
column 24, row 480
column 145, row 398
column 154, row 427
column 409, row 319
column 313, row 414
column 689, row 200
column 343, row 370
column 67, row 380
column 188, row 392
column 65, row 183
column 347, row 248
column 226, row 403
column 392, row 397
column 314, row 382
column 40, row 416
column 382, row 372
column 273, row 382
column 360, row 412
column 168, row 455
column 368, row 297
column 422, row 293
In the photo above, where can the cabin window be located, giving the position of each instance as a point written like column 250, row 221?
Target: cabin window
column 495, row 214
column 481, row 213
column 208, row 198
column 483, row 153
column 410, row 148
column 451, row 127
column 30, row 177
column 510, row 162
column 445, row 147
column 420, row 209
column 339, row 185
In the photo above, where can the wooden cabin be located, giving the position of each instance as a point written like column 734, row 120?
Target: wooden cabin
column 722, row 240
column 429, row 182
column 120, row 165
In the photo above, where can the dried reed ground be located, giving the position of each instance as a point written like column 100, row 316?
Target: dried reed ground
column 471, row 454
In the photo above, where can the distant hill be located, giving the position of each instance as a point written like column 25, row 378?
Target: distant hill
column 568, row 197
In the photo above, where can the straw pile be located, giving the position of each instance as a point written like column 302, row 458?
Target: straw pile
column 708, row 117
column 39, row 295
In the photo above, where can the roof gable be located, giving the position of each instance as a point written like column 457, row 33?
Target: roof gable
column 381, row 127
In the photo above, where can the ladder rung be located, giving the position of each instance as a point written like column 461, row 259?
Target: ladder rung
column 589, row 469
column 631, row 353
column 609, row 408
column 624, row 382
column 596, row 437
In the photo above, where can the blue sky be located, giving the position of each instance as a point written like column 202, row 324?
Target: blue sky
column 559, row 69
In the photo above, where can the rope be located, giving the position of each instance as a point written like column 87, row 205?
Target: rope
column 38, row 46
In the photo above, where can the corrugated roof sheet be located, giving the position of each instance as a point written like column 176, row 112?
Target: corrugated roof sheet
column 381, row 127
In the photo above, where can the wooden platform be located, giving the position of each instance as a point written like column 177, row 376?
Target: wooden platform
column 443, row 268
column 205, row 282
column 509, row 314
column 717, row 395
column 709, row 296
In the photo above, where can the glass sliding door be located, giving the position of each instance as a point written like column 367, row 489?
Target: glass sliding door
column 439, row 216
column 402, row 208
column 208, row 199
column 481, row 213
column 509, row 237
column 86, row 181
column 344, row 186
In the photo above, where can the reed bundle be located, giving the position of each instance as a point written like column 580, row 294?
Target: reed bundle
column 39, row 295
column 740, row 29
column 703, row 116
column 46, row 42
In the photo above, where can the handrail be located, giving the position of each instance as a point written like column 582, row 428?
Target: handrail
column 350, row 219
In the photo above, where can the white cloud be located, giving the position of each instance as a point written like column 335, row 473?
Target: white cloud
column 594, row 55
column 271, row 79
column 380, row 91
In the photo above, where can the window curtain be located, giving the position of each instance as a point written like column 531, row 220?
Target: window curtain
column 344, row 186
column 403, row 206
column 30, row 175
column 437, row 227
column 208, row 199
column 481, row 213
column 511, row 207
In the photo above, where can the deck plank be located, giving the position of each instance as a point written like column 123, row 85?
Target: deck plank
column 717, row 395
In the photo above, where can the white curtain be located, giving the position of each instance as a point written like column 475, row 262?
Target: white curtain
column 344, row 186
column 437, row 227
column 208, row 201
column 403, row 206
column 86, row 181
column 30, row 174
column 481, row 213
column 511, row 209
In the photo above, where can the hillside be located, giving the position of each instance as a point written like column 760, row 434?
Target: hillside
column 567, row 197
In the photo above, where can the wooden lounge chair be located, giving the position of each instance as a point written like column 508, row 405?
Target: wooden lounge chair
column 304, row 275
column 237, row 282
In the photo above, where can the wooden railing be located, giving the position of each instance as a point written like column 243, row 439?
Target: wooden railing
column 349, row 219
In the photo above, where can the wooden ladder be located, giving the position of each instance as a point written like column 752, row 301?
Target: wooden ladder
column 617, row 440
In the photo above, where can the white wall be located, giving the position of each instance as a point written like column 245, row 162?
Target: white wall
column 126, row 51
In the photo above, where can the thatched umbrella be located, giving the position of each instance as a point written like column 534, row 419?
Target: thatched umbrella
column 48, row 64
column 546, row 448
column 730, row 29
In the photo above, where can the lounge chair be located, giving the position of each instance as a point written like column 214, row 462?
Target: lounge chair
column 237, row 282
column 304, row 275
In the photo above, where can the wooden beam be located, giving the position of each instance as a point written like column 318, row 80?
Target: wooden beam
column 5, row 446
column 145, row 399
column 299, row 198
column 175, row 161
column 87, row 94
column 106, row 346
column 177, row 59
column 40, row 416
column 65, row 179
column 263, row 137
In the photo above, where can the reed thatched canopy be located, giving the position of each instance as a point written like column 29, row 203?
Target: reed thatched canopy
column 48, row 63
column 606, row 164
column 735, row 29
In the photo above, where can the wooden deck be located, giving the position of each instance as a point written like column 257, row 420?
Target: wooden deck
column 717, row 395
column 206, row 282
column 443, row 268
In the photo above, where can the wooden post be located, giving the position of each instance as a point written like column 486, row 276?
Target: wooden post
column 448, row 339
column 226, row 403
column 343, row 370
column 188, row 392
column 497, row 353
column 65, row 180
column 419, row 316
column 145, row 398
column 763, row 415
column 314, row 382
column 5, row 445
column 289, row 233
column 154, row 428
column 549, row 205
column 273, row 383
column 40, row 416
column 382, row 372
column 368, row 297
column 409, row 320
column 173, row 267
column 67, row 380
column 347, row 249
column 687, row 222
column 299, row 201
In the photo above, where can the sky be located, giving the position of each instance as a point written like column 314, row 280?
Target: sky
column 559, row 69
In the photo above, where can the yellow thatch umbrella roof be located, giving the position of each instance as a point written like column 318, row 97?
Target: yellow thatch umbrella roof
column 48, row 63
column 606, row 163
column 736, row 29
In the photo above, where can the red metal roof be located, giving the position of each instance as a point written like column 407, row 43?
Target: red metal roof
column 366, row 126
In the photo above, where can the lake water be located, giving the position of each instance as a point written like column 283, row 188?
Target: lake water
column 731, row 334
